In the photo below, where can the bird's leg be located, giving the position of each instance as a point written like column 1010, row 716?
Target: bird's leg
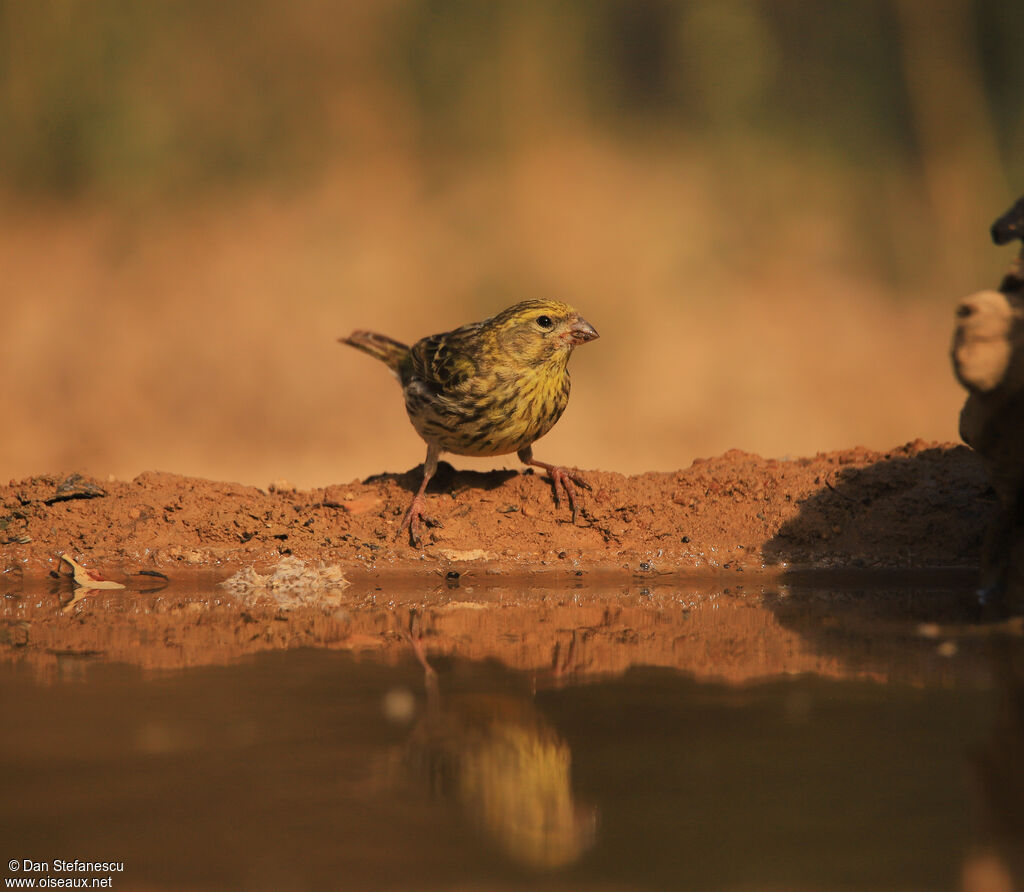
column 414, row 514
column 562, row 479
column 413, row 635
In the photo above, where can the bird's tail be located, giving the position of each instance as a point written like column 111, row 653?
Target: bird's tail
column 389, row 351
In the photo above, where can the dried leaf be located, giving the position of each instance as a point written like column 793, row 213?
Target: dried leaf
column 88, row 578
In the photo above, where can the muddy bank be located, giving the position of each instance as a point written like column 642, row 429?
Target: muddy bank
column 919, row 505
column 679, row 570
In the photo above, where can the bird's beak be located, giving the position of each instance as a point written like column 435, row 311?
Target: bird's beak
column 582, row 331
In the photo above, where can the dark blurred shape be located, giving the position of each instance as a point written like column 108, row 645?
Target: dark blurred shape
column 988, row 358
column 1010, row 226
column 641, row 39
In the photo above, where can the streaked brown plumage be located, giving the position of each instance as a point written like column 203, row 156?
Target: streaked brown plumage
column 488, row 388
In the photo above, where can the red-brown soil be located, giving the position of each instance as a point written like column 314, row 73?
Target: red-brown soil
column 920, row 505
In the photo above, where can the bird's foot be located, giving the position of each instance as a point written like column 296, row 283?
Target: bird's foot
column 565, row 480
column 415, row 521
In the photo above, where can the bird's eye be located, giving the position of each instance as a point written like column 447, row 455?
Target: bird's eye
column 545, row 322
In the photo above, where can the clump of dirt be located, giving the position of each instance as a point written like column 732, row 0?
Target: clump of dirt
column 920, row 505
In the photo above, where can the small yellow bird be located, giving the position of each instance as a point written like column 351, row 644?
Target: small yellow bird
column 488, row 388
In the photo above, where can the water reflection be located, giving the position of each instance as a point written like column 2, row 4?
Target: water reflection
column 560, row 634
column 769, row 738
column 998, row 772
column 505, row 766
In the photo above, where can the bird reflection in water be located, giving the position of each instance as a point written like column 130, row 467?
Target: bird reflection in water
column 503, row 765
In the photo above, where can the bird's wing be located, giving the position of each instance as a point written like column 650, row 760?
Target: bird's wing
column 447, row 361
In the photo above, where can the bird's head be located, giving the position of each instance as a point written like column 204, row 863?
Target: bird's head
column 540, row 331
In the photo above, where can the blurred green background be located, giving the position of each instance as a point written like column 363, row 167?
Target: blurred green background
column 766, row 207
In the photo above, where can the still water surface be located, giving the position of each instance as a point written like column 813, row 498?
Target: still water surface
column 893, row 765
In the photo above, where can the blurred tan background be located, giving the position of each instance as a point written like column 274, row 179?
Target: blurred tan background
column 766, row 207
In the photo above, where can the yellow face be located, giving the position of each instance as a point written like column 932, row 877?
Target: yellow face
column 540, row 331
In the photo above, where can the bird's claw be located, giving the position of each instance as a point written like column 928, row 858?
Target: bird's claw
column 563, row 479
column 414, row 521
